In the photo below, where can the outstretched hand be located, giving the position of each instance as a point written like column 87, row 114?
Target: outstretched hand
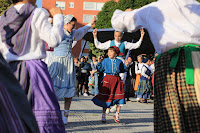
column 126, row 63
column 94, row 19
column 142, row 33
column 95, row 33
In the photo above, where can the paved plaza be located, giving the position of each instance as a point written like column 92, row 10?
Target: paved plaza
column 85, row 117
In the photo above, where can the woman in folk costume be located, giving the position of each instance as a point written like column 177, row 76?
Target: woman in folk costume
column 16, row 115
column 112, row 91
column 24, row 28
column 138, row 66
column 173, row 26
column 144, row 90
column 61, row 63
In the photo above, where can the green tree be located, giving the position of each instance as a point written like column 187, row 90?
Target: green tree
column 5, row 4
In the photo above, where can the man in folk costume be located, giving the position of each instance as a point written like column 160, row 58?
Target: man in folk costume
column 175, row 36
column 23, row 29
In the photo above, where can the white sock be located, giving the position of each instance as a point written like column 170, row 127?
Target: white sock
column 117, row 114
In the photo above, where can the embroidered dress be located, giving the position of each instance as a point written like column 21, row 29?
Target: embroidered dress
column 24, row 52
column 144, row 90
column 177, row 86
column 61, row 64
column 112, row 90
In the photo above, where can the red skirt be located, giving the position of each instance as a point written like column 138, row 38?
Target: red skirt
column 111, row 92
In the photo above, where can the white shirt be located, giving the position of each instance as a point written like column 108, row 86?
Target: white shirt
column 138, row 67
column 41, row 30
column 106, row 45
column 170, row 23
column 144, row 69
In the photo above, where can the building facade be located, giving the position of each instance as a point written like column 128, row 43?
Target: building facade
column 83, row 10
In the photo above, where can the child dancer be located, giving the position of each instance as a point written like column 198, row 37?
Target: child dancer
column 112, row 90
column 173, row 27
column 61, row 63
column 145, row 88
column 24, row 28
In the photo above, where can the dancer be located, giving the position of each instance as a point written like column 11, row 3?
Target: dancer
column 16, row 115
column 112, row 90
column 24, row 28
column 61, row 63
column 144, row 90
column 173, row 28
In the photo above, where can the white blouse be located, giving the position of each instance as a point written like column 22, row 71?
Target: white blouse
column 106, row 45
column 41, row 30
column 138, row 67
column 170, row 23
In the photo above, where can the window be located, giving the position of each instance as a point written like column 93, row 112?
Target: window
column 71, row 4
column 92, row 6
column 100, row 6
column 87, row 18
column 60, row 4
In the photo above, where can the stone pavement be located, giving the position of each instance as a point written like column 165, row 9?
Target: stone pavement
column 85, row 117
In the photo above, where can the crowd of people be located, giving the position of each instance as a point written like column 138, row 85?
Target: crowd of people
column 30, row 88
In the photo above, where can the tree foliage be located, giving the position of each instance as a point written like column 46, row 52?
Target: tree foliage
column 4, row 5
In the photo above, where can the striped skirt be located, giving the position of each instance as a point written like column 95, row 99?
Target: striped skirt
column 176, row 108
column 35, row 80
column 16, row 115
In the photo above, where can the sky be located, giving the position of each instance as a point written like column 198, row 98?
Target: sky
column 39, row 3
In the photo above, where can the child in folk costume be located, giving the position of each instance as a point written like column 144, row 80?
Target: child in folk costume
column 61, row 63
column 112, row 90
column 145, row 88
column 24, row 28
column 122, row 45
column 138, row 66
column 173, row 27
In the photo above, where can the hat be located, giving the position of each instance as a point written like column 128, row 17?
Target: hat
column 67, row 19
column 145, row 60
column 117, row 50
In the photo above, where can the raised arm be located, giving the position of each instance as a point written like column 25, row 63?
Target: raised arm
column 99, row 45
column 51, row 34
column 83, row 30
column 130, row 46
column 129, row 20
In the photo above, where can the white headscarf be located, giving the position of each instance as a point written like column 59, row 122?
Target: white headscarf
column 67, row 19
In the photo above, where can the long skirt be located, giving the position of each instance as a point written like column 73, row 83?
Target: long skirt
column 110, row 93
column 137, row 81
column 176, row 107
column 144, row 90
column 34, row 78
column 63, row 74
column 16, row 115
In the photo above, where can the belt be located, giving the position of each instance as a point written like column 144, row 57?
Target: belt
column 112, row 74
column 189, row 69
